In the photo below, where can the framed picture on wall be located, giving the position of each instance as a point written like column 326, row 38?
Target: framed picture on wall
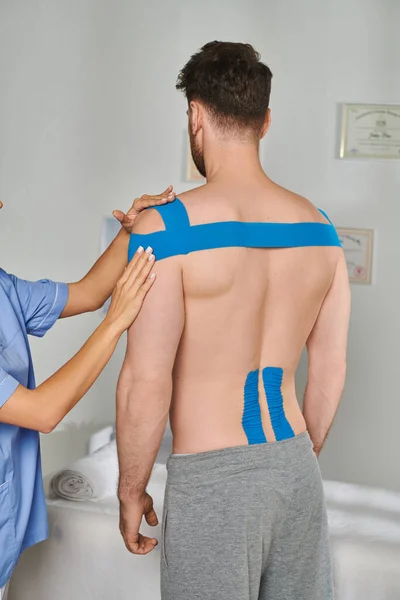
column 357, row 246
column 370, row 131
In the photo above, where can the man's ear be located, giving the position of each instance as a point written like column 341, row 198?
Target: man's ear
column 195, row 117
column 266, row 124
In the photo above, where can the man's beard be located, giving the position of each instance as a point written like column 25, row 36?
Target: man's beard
column 197, row 155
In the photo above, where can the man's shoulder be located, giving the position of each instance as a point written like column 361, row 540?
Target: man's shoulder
column 195, row 195
column 299, row 207
column 153, row 219
column 149, row 221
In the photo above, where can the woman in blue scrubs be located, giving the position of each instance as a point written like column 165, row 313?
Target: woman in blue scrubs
column 32, row 308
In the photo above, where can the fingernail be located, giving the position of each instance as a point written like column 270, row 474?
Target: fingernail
column 152, row 276
column 140, row 250
column 151, row 257
column 149, row 250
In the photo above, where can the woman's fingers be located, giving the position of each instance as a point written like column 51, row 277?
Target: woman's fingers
column 144, row 288
column 140, row 274
column 139, row 268
column 131, row 289
column 168, row 190
column 149, row 201
column 127, row 220
column 137, row 287
column 119, row 215
column 137, row 258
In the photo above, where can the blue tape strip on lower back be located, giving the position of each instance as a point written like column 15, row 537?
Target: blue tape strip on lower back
column 272, row 378
column 251, row 420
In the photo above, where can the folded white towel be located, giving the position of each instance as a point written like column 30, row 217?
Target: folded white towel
column 92, row 477
column 95, row 477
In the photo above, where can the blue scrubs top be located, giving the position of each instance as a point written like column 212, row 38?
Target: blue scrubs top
column 25, row 308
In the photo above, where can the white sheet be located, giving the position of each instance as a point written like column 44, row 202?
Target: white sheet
column 85, row 557
column 362, row 497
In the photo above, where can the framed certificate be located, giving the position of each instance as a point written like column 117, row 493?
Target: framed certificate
column 370, row 131
column 357, row 247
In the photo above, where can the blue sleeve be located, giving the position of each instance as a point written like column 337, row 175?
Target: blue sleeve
column 41, row 303
column 8, row 385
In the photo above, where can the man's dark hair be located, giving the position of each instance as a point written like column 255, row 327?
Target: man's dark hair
column 231, row 81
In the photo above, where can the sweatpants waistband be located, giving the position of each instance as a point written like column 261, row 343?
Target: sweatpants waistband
column 210, row 466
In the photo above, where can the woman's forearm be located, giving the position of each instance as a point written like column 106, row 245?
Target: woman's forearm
column 70, row 383
column 91, row 292
column 43, row 408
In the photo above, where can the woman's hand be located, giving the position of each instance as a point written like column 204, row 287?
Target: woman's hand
column 131, row 290
column 127, row 220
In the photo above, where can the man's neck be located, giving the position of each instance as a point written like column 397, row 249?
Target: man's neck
column 232, row 161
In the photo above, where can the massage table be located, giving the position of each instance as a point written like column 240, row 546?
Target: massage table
column 85, row 558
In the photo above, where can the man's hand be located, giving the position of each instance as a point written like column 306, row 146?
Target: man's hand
column 127, row 220
column 131, row 514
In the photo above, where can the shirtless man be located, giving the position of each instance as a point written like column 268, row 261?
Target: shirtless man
column 217, row 346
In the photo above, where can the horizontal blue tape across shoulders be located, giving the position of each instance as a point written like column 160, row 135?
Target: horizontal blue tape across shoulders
column 194, row 238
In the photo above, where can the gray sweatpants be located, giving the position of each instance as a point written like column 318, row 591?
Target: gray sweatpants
column 246, row 523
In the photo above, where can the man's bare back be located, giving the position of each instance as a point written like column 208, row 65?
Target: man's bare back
column 245, row 309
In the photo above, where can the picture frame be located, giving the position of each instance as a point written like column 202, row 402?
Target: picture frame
column 370, row 131
column 357, row 245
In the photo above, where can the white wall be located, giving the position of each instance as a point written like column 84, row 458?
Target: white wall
column 89, row 118
column 322, row 54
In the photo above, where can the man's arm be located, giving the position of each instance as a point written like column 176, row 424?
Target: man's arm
column 91, row 292
column 144, row 392
column 327, row 347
